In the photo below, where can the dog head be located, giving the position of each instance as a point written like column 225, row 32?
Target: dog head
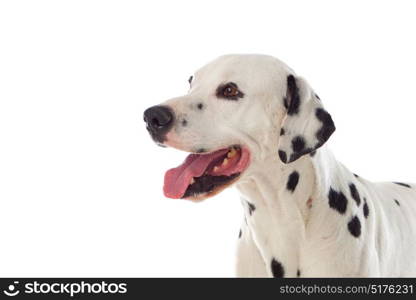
column 239, row 110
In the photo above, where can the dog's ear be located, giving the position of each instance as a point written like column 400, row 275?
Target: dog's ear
column 307, row 125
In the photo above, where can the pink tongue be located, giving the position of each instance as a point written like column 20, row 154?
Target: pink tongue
column 177, row 179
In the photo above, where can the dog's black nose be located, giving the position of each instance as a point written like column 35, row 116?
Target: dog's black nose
column 159, row 119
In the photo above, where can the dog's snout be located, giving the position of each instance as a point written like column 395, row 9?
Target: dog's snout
column 159, row 119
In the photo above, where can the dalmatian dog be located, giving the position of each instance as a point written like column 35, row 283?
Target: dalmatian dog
column 249, row 121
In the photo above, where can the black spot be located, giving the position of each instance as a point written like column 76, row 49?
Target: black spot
column 190, row 79
column 201, row 150
column 356, row 176
column 292, row 181
column 298, row 144
column 277, row 269
column 397, row 202
column 200, row 106
column 282, row 131
column 292, row 99
column 312, row 154
column 366, row 211
column 328, row 126
column 283, row 156
column 316, row 95
column 354, row 193
column 403, row 184
column 337, row 201
column 354, row 226
column 239, row 234
column 298, row 273
column 251, row 208
column 296, row 155
column 184, row 123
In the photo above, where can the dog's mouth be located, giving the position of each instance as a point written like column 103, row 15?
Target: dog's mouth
column 204, row 175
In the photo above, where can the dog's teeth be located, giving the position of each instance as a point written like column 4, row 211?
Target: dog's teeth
column 216, row 169
column 192, row 181
column 225, row 162
column 231, row 153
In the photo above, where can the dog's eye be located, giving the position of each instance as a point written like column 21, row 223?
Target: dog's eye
column 229, row 91
column 190, row 79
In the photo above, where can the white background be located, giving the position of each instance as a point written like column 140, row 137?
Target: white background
column 80, row 179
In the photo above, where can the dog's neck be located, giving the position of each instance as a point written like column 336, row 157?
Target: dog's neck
column 280, row 186
column 277, row 204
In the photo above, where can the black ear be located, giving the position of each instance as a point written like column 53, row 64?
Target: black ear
column 307, row 125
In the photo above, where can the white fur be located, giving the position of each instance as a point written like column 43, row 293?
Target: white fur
column 309, row 236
